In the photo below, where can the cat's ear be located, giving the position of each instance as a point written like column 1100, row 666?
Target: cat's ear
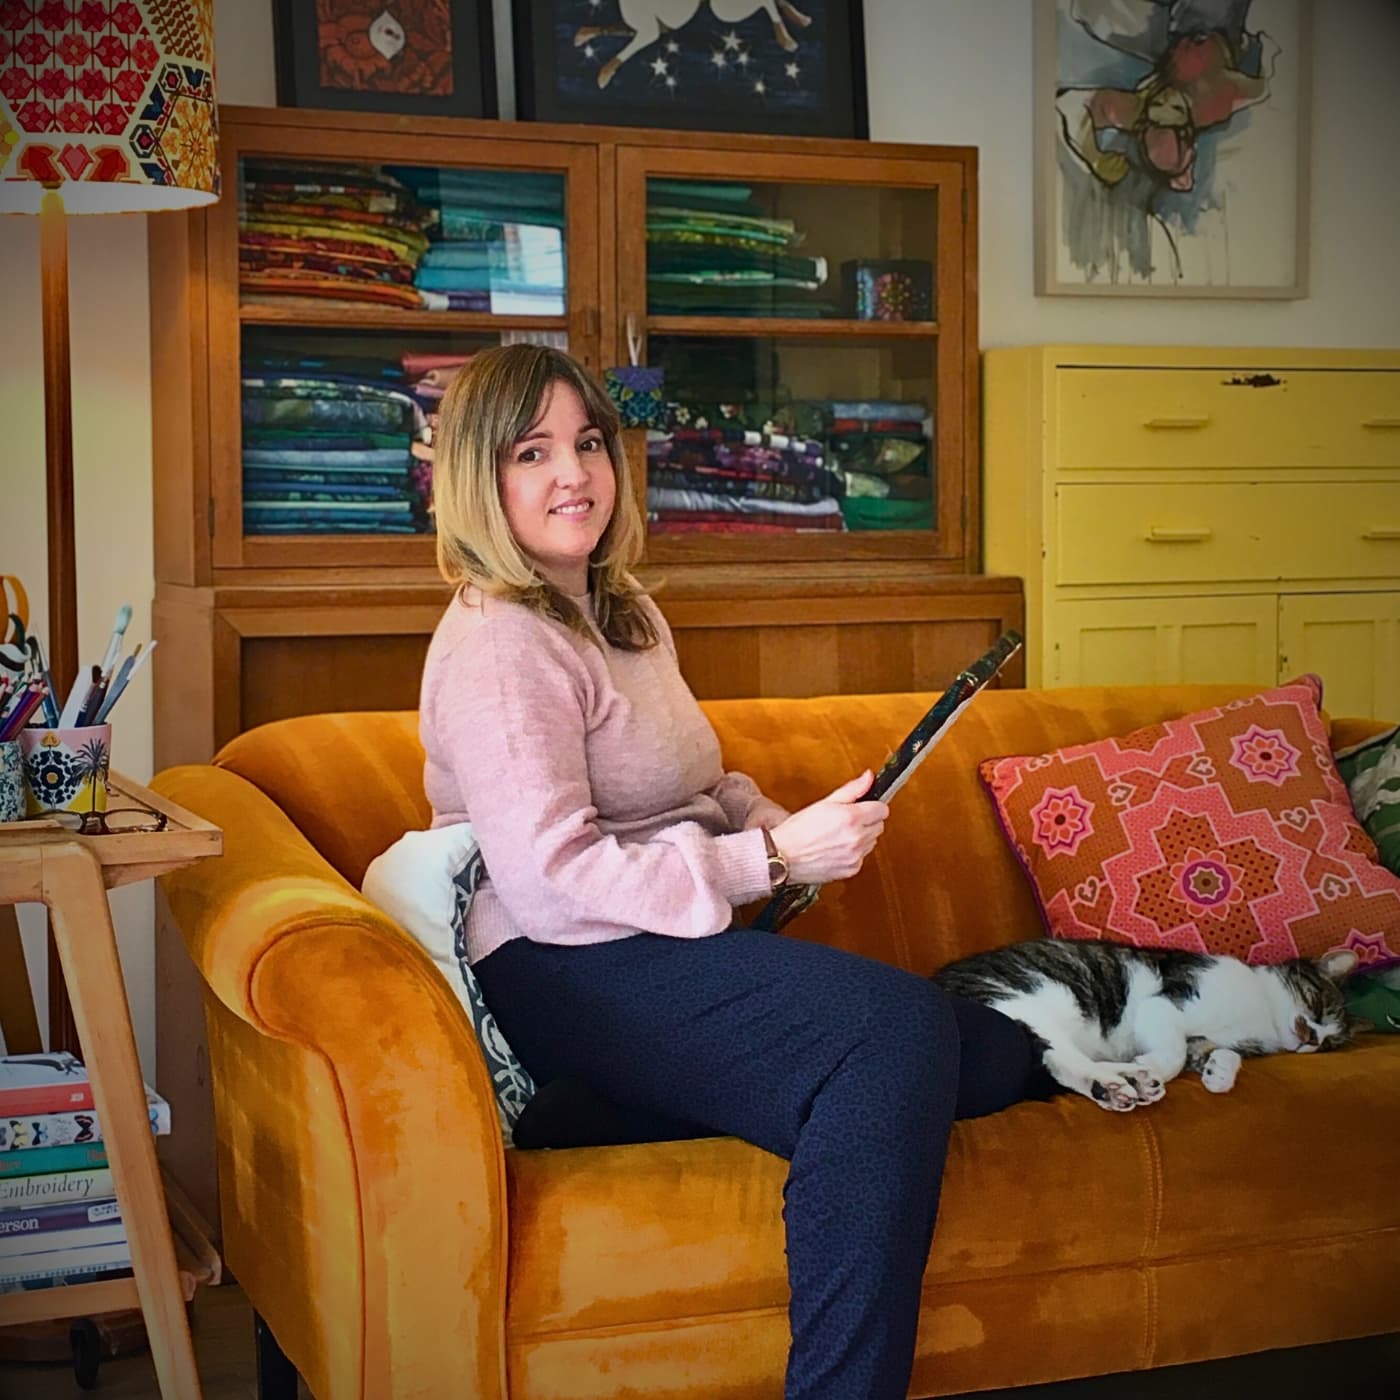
column 1359, row 1025
column 1338, row 964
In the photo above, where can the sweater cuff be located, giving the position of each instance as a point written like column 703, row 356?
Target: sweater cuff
column 765, row 812
column 743, row 866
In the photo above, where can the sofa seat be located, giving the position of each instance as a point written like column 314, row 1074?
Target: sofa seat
column 629, row 1236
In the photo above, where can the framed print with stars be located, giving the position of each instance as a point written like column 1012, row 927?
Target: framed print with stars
column 430, row 58
column 779, row 67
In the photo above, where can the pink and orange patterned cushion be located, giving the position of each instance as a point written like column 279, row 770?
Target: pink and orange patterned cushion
column 1226, row 831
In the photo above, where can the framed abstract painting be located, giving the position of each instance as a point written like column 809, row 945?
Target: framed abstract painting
column 1171, row 145
column 780, row 67
column 431, row 58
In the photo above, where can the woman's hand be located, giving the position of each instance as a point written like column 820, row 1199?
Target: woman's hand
column 830, row 839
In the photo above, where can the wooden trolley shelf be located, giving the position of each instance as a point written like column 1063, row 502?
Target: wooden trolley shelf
column 43, row 862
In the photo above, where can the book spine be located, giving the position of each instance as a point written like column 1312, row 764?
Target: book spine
column 68, row 1097
column 96, row 1273
column 37, row 1161
column 44, row 1220
column 21, row 1251
column 55, row 1189
column 66, row 1266
column 66, row 1129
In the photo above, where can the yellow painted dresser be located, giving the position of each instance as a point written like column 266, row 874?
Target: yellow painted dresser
column 1188, row 515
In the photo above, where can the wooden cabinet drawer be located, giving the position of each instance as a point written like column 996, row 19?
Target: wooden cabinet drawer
column 1116, row 419
column 1226, row 532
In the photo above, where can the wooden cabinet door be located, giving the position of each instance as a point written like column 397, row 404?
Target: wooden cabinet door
column 1351, row 640
column 790, row 299
column 1163, row 641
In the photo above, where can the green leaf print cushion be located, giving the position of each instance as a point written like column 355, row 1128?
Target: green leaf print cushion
column 1371, row 771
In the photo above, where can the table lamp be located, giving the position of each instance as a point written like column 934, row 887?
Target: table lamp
column 106, row 107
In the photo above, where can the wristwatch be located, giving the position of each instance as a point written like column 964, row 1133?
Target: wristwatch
column 777, row 861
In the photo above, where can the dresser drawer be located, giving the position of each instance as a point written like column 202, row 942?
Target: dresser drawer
column 1225, row 532
column 1191, row 418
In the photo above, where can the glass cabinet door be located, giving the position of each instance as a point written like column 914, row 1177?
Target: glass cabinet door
column 807, row 315
column 362, row 286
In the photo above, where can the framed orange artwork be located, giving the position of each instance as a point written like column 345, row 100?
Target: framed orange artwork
column 416, row 57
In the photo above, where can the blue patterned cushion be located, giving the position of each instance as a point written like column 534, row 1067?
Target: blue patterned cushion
column 514, row 1086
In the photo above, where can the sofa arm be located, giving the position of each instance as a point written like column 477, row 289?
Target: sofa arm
column 411, row 1127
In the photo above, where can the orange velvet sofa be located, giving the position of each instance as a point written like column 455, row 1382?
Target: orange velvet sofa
column 397, row 1250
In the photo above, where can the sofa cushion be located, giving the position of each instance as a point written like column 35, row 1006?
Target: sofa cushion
column 620, row 1236
column 1224, row 831
column 941, row 822
column 353, row 783
column 1371, row 771
column 425, row 882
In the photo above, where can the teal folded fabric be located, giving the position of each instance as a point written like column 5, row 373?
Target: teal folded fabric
column 870, row 513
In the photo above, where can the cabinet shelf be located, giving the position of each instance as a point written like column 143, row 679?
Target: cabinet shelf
column 781, row 327
column 300, row 311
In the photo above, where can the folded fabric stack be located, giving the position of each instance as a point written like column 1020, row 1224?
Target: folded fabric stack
column 319, row 229
column 427, row 376
column 737, row 473
column 497, row 240
column 710, row 251
column 327, row 446
column 881, row 449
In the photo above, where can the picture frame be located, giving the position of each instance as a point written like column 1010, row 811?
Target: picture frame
column 779, row 67
column 1171, row 162
column 432, row 58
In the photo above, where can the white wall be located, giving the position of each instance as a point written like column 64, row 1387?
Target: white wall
column 942, row 71
column 959, row 72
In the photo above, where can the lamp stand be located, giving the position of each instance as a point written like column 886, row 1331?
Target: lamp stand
column 62, row 548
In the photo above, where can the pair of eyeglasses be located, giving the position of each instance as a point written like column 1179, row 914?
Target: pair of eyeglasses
column 116, row 821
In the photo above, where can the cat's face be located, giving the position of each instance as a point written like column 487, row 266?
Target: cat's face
column 1322, row 1022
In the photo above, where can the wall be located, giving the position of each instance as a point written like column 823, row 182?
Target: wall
column 949, row 71
column 959, row 71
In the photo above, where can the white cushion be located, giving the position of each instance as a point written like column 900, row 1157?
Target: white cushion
column 425, row 882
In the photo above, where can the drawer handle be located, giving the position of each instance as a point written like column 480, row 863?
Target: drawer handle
column 1389, row 532
column 1157, row 535
column 1156, row 423
column 1381, row 423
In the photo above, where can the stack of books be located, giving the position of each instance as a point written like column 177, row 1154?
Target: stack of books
column 59, row 1218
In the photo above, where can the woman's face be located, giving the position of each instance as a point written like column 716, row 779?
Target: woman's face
column 557, row 489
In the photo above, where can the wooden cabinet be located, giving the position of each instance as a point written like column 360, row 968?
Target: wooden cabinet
column 273, row 598
column 1351, row 640
column 1194, row 515
column 277, row 601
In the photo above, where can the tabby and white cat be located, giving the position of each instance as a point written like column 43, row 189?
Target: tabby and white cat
column 1115, row 1023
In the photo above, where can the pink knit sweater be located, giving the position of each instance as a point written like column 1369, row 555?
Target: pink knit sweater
column 592, row 781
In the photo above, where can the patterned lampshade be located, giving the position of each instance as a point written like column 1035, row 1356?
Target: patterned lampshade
column 109, row 102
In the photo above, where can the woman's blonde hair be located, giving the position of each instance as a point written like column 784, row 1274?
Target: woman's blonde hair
column 487, row 409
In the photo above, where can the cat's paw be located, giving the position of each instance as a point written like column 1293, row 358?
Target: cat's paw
column 1149, row 1087
column 1125, row 1087
column 1219, row 1071
column 1114, row 1092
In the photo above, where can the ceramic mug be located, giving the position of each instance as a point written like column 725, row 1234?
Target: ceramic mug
column 11, row 782
column 65, row 770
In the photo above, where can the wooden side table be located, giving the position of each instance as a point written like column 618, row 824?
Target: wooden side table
column 43, row 862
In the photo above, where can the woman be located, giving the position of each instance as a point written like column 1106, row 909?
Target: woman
column 555, row 720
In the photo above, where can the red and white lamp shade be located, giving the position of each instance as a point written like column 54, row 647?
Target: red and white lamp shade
column 108, row 102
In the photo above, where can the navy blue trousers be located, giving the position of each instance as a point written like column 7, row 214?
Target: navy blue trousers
column 849, row 1068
